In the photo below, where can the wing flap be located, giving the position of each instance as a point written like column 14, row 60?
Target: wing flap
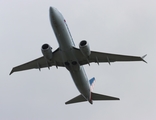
column 40, row 63
column 104, row 57
column 107, row 57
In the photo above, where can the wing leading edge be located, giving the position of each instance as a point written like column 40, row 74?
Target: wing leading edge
column 99, row 57
column 41, row 63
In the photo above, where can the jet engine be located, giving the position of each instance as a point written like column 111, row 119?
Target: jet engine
column 47, row 51
column 84, row 48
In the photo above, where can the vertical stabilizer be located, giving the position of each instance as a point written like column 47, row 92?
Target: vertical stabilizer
column 92, row 81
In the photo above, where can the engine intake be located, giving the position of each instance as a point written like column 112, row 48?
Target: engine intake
column 83, row 43
column 47, row 51
column 84, row 48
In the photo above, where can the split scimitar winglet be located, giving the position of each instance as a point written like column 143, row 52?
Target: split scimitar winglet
column 143, row 58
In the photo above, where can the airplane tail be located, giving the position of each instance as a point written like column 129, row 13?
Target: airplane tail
column 94, row 96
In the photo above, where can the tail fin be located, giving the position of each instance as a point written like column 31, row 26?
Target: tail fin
column 96, row 96
column 92, row 81
column 79, row 98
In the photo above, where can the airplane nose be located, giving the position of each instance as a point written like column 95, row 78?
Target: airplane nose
column 52, row 14
column 51, row 10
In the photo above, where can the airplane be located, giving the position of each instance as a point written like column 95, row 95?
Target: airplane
column 73, row 59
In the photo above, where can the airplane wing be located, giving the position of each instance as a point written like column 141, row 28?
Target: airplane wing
column 41, row 63
column 99, row 57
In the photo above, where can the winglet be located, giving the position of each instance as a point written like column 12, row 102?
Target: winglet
column 11, row 72
column 143, row 58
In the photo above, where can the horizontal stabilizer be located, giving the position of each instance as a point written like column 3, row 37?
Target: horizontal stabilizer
column 79, row 98
column 143, row 58
column 96, row 96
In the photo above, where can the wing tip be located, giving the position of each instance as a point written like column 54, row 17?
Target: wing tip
column 117, row 98
column 143, row 58
column 11, row 72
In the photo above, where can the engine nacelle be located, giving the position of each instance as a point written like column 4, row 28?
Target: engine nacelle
column 84, row 47
column 47, row 51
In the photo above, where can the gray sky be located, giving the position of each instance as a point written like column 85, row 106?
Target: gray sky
column 114, row 26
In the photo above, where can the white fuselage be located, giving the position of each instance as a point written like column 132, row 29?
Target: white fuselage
column 69, row 59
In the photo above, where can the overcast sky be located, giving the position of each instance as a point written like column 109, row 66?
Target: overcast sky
column 113, row 26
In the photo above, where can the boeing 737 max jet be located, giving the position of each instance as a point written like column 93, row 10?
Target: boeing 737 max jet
column 73, row 59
